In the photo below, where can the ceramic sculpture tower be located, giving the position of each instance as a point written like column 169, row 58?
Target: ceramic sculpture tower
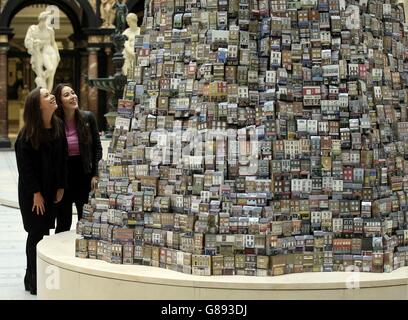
column 259, row 137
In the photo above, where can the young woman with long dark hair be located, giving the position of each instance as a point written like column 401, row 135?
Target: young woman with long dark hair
column 41, row 153
column 84, row 153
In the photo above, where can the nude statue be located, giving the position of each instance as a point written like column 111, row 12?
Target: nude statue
column 129, row 50
column 107, row 13
column 41, row 45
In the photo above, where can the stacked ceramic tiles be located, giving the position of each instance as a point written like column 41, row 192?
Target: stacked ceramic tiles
column 259, row 138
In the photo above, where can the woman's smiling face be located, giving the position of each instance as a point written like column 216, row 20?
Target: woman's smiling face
column 47, row 100
column 69, row 98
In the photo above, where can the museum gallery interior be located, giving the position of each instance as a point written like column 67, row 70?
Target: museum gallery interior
column 254, row 146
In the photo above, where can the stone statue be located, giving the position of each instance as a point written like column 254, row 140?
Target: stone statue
column 121, row 13
column 129, row 50
column 107, row 13
column 93, row 4
column 41, row 45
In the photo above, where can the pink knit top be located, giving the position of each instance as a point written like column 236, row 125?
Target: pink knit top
column 72, row 138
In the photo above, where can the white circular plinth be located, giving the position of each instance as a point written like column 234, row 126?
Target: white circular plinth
column 63, row 276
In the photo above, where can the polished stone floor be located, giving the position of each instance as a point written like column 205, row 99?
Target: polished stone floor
column 12, row 255
column 12, row 234
column 8, row 179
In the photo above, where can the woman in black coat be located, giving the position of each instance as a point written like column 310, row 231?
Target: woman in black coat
column 41, row 162
column 84, row 153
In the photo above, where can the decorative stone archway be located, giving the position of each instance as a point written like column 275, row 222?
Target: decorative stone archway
column 85, row 21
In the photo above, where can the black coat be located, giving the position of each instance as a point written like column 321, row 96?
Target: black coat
column 43, row 170
column 91, row 152
column 80, row 174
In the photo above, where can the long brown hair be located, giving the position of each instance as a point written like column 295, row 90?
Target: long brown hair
column 33, row 128
column 82, row 129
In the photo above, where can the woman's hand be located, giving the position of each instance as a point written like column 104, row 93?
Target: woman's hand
column 38, row 204
column 94, row 183
column 59, row 195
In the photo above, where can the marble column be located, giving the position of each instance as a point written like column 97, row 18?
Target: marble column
column 93, row 73
column 4, row 139
column 110, row 70
column 83, row 85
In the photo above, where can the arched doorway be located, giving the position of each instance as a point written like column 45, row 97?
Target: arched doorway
column 20, row 78
column 80, row 12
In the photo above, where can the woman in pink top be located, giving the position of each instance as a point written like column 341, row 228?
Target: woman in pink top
column 84, row 153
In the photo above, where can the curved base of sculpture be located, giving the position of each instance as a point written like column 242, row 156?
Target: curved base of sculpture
column 63, row 276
